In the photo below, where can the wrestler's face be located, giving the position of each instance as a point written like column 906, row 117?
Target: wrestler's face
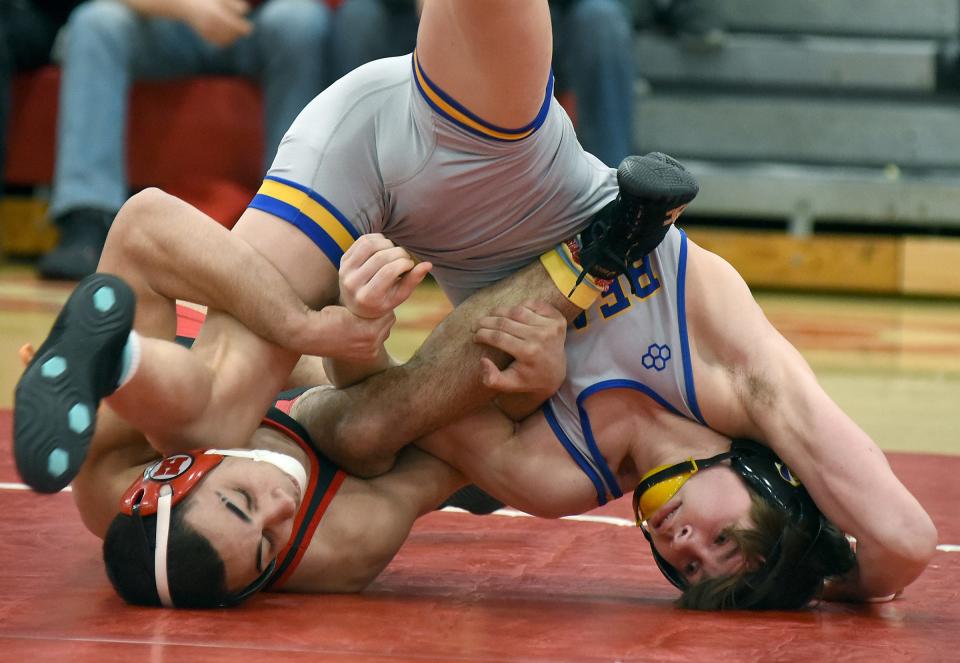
column 246, row 511
column 691, row 531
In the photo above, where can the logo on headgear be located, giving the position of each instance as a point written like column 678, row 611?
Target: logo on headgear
column 169, row 468
column 787, row 475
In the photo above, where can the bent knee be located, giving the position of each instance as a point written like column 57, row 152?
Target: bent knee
column 360, row 448
column 369, row 465
column 127, row 232
column 142, row 204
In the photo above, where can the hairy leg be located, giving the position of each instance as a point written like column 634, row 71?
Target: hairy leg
column 361, row 428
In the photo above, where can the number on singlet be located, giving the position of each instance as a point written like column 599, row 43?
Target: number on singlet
column 618, row 297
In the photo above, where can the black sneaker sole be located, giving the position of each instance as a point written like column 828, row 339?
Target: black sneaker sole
column 56, row 400
column 657, row 178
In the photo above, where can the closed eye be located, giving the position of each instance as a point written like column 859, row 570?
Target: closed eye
column 246, row 497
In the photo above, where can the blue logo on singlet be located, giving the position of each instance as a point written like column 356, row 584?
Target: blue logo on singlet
column 657, row 356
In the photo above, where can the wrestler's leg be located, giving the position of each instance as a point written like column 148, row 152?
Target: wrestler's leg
column 216, row 392
column 90, row 351
column 362, row 427
column 491, row 56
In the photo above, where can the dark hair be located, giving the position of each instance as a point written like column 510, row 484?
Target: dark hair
column 786, row 564
column 197, row 575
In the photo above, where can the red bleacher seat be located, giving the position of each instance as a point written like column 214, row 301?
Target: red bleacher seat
column 198, row 138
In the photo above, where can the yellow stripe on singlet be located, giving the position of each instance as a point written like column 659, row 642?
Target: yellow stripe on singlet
column 310, row 208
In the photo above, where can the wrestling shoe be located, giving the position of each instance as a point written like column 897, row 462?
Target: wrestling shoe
column 56, row 400
column 472, row 499
column 654, row 190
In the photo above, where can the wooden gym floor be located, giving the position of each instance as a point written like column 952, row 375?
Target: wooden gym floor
column 508, row 587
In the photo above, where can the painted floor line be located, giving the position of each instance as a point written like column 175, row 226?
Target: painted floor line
column 623, row 522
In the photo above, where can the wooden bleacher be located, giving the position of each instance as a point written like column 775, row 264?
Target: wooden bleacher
column 824, row 136
column 817, row 116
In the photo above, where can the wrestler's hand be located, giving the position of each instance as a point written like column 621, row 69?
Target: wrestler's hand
column 847, row 589
column 533, row 334
column 344, row 336
column 376, row 276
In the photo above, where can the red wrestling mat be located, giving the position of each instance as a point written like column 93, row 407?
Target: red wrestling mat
column 465, row 588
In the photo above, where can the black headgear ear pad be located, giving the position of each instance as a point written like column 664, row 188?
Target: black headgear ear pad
column 767, row 476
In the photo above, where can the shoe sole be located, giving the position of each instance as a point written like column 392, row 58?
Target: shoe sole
column 56, row 399
column 657, row 178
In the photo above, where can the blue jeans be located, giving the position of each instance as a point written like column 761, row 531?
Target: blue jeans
column 365, row 30
column 593, row 57
column 108, row 46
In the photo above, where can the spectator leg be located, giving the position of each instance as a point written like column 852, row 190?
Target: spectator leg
column 359, row 34
column 596, row 47
column 290, row 43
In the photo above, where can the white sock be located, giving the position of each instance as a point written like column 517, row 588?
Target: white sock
column 131, row 358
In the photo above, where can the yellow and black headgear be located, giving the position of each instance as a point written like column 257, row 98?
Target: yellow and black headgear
column 761, row 470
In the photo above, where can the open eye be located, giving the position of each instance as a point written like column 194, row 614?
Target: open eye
column 691, row 568
column 722, row 538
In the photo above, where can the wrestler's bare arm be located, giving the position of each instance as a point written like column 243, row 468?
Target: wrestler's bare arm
column 492, row 56
column 187, row 255
column 774, row 397
column 369, row 520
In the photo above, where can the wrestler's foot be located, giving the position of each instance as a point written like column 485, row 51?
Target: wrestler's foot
column 472, row 499
column 55, row 403
column 654, row 190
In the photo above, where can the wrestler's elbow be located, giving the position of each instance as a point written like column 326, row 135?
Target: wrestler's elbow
column 910, row 547
column 923, row 542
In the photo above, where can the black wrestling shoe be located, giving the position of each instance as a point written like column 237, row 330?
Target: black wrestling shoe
column 654, row 190
column 55, row 403
column 472, row 499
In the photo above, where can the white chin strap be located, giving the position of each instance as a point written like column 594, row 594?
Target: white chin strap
column 160, row 552
column 286, row 464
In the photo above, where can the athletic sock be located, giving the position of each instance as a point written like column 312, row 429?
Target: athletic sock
column 564, row 268
column 130, row 360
